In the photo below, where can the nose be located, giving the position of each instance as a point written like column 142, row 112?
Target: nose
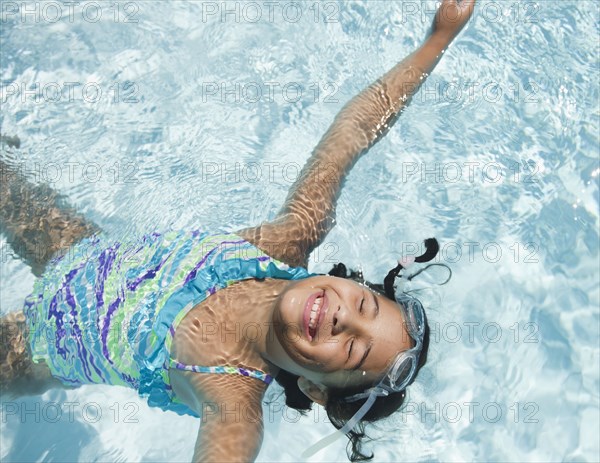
column 344, row 322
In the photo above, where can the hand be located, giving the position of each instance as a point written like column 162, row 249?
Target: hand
column 451, row 17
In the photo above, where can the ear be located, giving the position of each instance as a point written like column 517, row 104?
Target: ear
column 315, row 392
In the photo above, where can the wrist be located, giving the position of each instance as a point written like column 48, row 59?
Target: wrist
column 440, row 39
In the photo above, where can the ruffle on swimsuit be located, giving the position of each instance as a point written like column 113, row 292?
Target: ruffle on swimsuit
column 107, row 312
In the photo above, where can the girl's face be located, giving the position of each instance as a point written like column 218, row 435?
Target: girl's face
column 336, row 332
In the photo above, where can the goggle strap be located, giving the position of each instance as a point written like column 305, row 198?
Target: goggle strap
column 410, row 277
column 349, row 426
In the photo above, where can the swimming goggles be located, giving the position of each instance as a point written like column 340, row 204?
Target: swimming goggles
column 404, row 367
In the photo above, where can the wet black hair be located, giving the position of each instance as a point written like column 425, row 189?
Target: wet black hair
column 338, row 410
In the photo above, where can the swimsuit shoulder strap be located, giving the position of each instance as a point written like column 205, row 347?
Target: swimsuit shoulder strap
column 224, row 369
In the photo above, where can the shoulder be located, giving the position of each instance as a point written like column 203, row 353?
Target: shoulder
column 281, row 241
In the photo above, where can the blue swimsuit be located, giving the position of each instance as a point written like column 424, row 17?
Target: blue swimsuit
column 107, row 312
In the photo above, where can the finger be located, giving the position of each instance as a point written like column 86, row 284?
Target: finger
column 467, row 5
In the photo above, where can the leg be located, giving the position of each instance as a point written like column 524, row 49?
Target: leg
column 37, row 223
column 18, row 374
column 36, row 220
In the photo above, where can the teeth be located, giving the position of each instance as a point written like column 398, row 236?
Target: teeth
column 313, row 313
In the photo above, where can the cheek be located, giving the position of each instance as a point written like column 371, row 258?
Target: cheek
column 325, row 358
column 332, row 347
column 331, row 356
column 289, row 307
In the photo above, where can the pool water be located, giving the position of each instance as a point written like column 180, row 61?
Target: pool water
column 167, row 115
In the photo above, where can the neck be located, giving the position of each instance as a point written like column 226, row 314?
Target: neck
column 256, row 319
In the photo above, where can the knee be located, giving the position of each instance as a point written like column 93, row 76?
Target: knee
column 15, row 361
column 19, row 375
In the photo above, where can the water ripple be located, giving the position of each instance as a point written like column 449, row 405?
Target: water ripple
column 174, row 138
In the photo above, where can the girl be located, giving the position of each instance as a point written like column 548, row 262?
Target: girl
column 201, row 323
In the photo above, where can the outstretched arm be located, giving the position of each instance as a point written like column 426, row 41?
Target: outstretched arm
column 308, row 213
column 227, row 434
column 231, row 428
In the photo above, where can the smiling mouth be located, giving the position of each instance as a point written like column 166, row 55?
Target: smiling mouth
column 316, row 308
column 313, row 322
